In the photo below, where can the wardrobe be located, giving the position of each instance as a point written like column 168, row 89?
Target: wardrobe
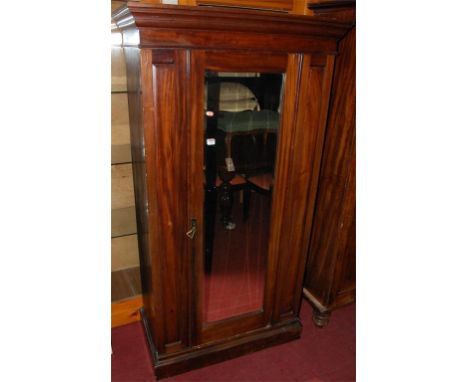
column 228, row 114
column 330, row 277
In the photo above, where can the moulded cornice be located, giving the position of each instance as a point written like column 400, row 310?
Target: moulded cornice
column 207, row 19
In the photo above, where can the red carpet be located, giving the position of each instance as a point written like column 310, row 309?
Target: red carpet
column 319, row 355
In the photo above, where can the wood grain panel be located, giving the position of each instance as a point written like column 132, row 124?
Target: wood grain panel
column 230, row 19
column 284, row 5
column 300, row 7
column 245, row 62
column 138, row 143
column 346, row 259
column 227, row 28
column 334, row 10
column 294, row 6
column 330, row 272
column 303, row 171
column 348, row 276
column 165, row 124
column 228, row 348
column 170, row 158
column 196, row 188
column 194, row 98
column 282, row 170
column 235, row 40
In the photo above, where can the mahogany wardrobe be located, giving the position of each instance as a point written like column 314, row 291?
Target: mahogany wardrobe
column 228, row 113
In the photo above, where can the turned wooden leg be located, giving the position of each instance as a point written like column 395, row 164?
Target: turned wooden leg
column 320, row 318
column 210, row 220
column 226, row 201
column 246, row 205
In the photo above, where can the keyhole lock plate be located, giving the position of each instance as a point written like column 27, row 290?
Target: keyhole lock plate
column 193, row 230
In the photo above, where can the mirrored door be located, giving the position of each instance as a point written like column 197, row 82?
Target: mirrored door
column 242, row 113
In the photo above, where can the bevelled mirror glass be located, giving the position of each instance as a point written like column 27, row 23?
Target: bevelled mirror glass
column 242, row 122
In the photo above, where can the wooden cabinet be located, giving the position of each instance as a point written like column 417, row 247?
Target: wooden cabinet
column 222, row 254
column 330, row 279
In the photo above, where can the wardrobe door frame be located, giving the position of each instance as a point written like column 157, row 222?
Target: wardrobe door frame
column 229, row 61
column 295, row 66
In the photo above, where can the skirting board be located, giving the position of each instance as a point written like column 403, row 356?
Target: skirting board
column 126, row 312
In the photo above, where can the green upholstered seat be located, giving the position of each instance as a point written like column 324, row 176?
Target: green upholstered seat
column 245, row 121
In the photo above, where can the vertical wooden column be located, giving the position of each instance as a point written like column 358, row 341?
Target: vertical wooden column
column 196, row 188
column 305, row 150
column 330, row 273
column 164, row 115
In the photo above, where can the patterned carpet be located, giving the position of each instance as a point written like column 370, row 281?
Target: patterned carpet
column 320, row 355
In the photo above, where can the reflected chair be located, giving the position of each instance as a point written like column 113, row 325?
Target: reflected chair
column 262, row 183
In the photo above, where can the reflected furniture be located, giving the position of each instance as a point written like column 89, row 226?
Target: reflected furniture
column 262, row 122
column 169, row 51
column 330, row 278
column 261, row 183
column 250, row 123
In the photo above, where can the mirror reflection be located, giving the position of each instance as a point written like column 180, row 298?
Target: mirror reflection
column 242, row 118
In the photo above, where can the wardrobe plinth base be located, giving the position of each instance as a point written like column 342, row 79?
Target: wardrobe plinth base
column 206, row 355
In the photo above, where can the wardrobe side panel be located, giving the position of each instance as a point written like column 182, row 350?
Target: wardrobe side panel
column 331, row 264
column 301, row 181
column 164, row 113
column 133, row 65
